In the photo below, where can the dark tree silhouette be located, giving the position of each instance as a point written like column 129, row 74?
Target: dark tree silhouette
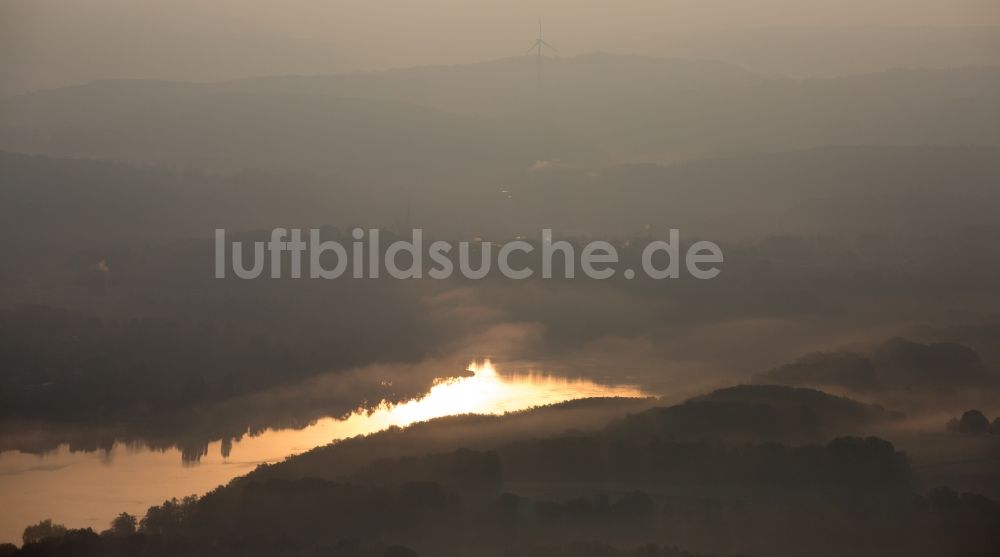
column 41, row 531
column 973, row 422
column 124, row 525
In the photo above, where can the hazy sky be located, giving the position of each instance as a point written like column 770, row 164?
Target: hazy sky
column 436, row 20
column 51, row 42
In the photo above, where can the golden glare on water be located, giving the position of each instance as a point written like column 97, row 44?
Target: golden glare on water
column 487, row 392
column 88, row 489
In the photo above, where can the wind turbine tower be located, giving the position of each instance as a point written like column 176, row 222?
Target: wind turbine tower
column 537, row 46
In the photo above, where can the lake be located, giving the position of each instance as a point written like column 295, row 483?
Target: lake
column 87, row 489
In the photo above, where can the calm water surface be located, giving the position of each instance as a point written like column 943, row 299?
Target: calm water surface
column 81, row 489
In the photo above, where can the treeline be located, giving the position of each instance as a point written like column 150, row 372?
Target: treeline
column 70, row 366
column 317, row 517
column 973, row 422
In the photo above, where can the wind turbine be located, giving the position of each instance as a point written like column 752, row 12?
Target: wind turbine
column 537, row 46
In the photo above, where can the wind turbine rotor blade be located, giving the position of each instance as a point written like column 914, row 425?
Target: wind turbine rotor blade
column 534, row 45
column 554, row 49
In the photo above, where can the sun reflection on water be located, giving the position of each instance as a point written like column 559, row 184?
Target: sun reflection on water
column 488, row 392
column 88, row 489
